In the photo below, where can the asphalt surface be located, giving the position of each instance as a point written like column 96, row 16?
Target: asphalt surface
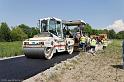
column 21, row 68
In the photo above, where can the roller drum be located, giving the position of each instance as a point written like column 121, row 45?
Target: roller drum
column 34, row 52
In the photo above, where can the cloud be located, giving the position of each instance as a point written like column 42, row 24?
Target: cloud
column 118, row 25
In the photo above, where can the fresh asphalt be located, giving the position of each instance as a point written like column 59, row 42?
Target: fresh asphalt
column 21, row 68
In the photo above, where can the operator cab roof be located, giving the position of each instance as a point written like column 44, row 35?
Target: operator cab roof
column 48, row 18
column 74, row 22
column 68, row 23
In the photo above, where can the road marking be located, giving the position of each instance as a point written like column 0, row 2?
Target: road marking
column 5, row 58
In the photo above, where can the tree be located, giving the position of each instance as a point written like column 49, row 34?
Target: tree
column 4, row 32
column 34, row 31
column 26, row 29
column 95, row 32
column 88, row 29
column 29, row 31
column 105, row 31
column 17, row 34
column 120, row 35
column 111, row 34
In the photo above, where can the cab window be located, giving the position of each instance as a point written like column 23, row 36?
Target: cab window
column 44, row 26
column 59, row 29
column 52, row 26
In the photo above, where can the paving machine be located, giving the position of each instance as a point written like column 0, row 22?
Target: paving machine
column 76, row 27
column 50, row 40
column 103, row 36
column 99, row 37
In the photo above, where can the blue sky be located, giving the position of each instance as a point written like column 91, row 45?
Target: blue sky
column 98, row 13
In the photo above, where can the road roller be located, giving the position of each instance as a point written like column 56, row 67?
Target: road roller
column 52, row 39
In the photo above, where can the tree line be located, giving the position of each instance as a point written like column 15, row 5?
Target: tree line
column 22, row 32
column 18, row 33
column 110, row 33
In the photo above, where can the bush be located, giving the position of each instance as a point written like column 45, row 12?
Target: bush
column 17, row 34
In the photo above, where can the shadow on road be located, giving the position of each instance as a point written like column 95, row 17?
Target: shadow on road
column 117, row 66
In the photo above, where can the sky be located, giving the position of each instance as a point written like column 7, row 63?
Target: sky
column 98, row 13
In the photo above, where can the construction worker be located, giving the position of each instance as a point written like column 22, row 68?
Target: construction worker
column 77, row 36
column 87, row 43
column 82, row 43
column 105, row 43
column 69, row 33
column 93, row 45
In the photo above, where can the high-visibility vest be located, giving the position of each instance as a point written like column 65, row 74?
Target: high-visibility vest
column 93, row 42
column 105, row 43
column 83, row 39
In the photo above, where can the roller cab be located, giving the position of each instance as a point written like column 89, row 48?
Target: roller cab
column 50, row 40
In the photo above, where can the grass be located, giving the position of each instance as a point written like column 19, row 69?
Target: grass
column 8, row 49
column 115, row 48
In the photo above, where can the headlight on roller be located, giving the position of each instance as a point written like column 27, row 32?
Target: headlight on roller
column 42, row 43
column 26, row 43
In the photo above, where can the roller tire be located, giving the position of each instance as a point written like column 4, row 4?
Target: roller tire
column 70, row 49
column 48, row 51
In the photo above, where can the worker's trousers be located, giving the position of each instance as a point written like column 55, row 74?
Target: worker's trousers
column 92, row 48
column 83, row 46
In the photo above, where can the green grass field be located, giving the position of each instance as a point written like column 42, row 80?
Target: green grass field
column 8, row 49
column 115, row 48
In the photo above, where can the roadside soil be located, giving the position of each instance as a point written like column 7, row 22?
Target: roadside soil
column 104, row 66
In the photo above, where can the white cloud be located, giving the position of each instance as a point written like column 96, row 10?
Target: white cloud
column 118, row 25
